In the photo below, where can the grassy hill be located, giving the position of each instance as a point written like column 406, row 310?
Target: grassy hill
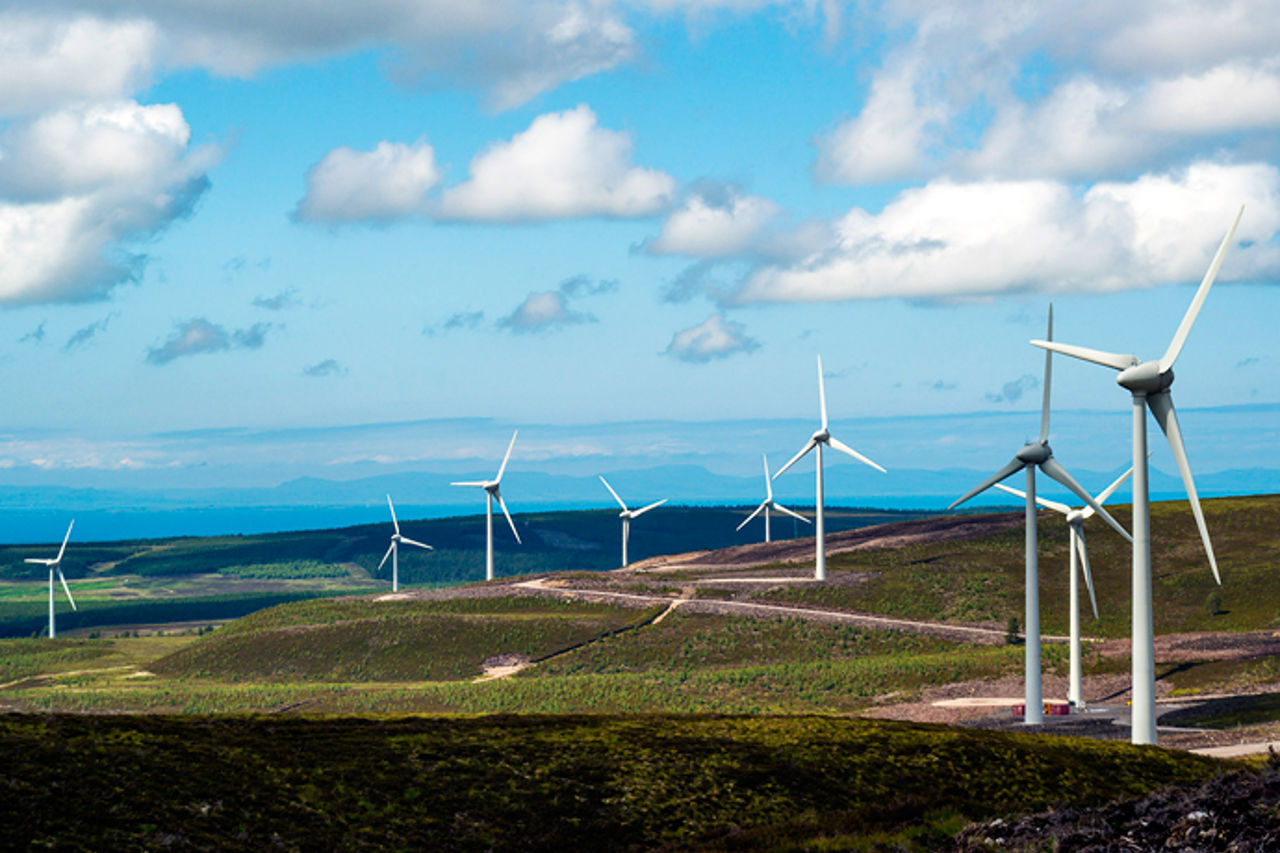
column 541, row 783
column 981, row 580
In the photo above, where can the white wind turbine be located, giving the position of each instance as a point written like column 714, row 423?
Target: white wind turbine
column 1032, row 455
column 820, row 438
column 769, row 503
column 492, row 493
column 1148, row 382
column 55, row 565
column 627, row 514
column 393, row 551
column 1076, row 547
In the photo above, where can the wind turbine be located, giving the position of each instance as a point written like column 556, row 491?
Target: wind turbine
column 1148, row 382
column 769, row 503
column 823, row 437
column 1032, row 455
column 627, row 514
column 492, row 493
column 1076, row 547
column 55, row 565
column 394, row 550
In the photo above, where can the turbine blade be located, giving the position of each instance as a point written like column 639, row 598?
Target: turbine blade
column 849, row 451
column 1055, row 470
column 39, row 560
column 1012, row 468
column 822, row 394
column 390, row 548
column 1044, row 502
column 1184, row 329
column 503, row 467
column 643, row 510
column 66, row 589
column 1111, row 489
column 1048, row 382
column 1162, row 407
column 406, row 540
column 393, row 514
column 612, row 492
column 1097, row 356
column 756, row 512
column 63, row 549
column 1084, row 564
column 479, row 483
column 768, row 482
column 503, row 504
column 810, row 445
column 782, row 509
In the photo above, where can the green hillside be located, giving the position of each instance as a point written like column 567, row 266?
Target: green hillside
column 541, row 783
column 981, row 580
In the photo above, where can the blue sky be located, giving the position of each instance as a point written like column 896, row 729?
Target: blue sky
column 290, row 216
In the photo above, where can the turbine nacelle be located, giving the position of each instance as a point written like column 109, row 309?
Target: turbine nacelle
column 823, row 436
column 1035, row 453
column 1145, row 378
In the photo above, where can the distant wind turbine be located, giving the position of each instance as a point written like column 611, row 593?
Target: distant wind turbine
column 1076, row 547
column 492, row 493
column 769, row 503
column 1148, row 382
column 627, row 514
column 394, row 550
column 820, row 438
column 1032, row 455
column 55, row 565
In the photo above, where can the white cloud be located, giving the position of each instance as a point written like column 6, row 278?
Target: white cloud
column 390, row 182
column 198, row 335
column 541, row 311
column 563, row 166
column 1228, row 97
column 713, row 338
column 80, row 184
column 47, row 61
column 706, row 226
column 890, row 136
column 951, row 240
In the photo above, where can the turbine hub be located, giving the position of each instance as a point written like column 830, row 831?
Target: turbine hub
column 1034, row 453
column 1075, row 516
column 1145, row 378
column 822, row 435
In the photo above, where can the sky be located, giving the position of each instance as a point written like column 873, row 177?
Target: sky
column 290, row 223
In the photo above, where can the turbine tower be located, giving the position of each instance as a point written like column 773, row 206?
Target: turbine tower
column 55, row 565
column 1148, row 383
column 1032, row 455
column 820, row 438
column 769, row 503
column 627, row 514
column 1076, row 548
column 394, row 550
column 492, row 493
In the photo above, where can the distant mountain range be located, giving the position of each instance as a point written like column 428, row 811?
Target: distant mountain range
column 38, row 513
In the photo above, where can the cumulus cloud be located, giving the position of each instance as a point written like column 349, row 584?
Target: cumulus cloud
column 279, row 302
column 1011, row 392
column 85, row 334
column 546, row 310
column 198, row 335
column 950, row 240
column 713, row 338
column 563, row 166
column 79, row 185
column 390, row 182
column 48, row 61
column 714, row 224
column 328, row 367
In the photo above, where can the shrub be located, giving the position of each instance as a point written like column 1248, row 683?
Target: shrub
column 1011, row 631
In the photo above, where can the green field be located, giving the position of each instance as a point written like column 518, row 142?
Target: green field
column 541, row 783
